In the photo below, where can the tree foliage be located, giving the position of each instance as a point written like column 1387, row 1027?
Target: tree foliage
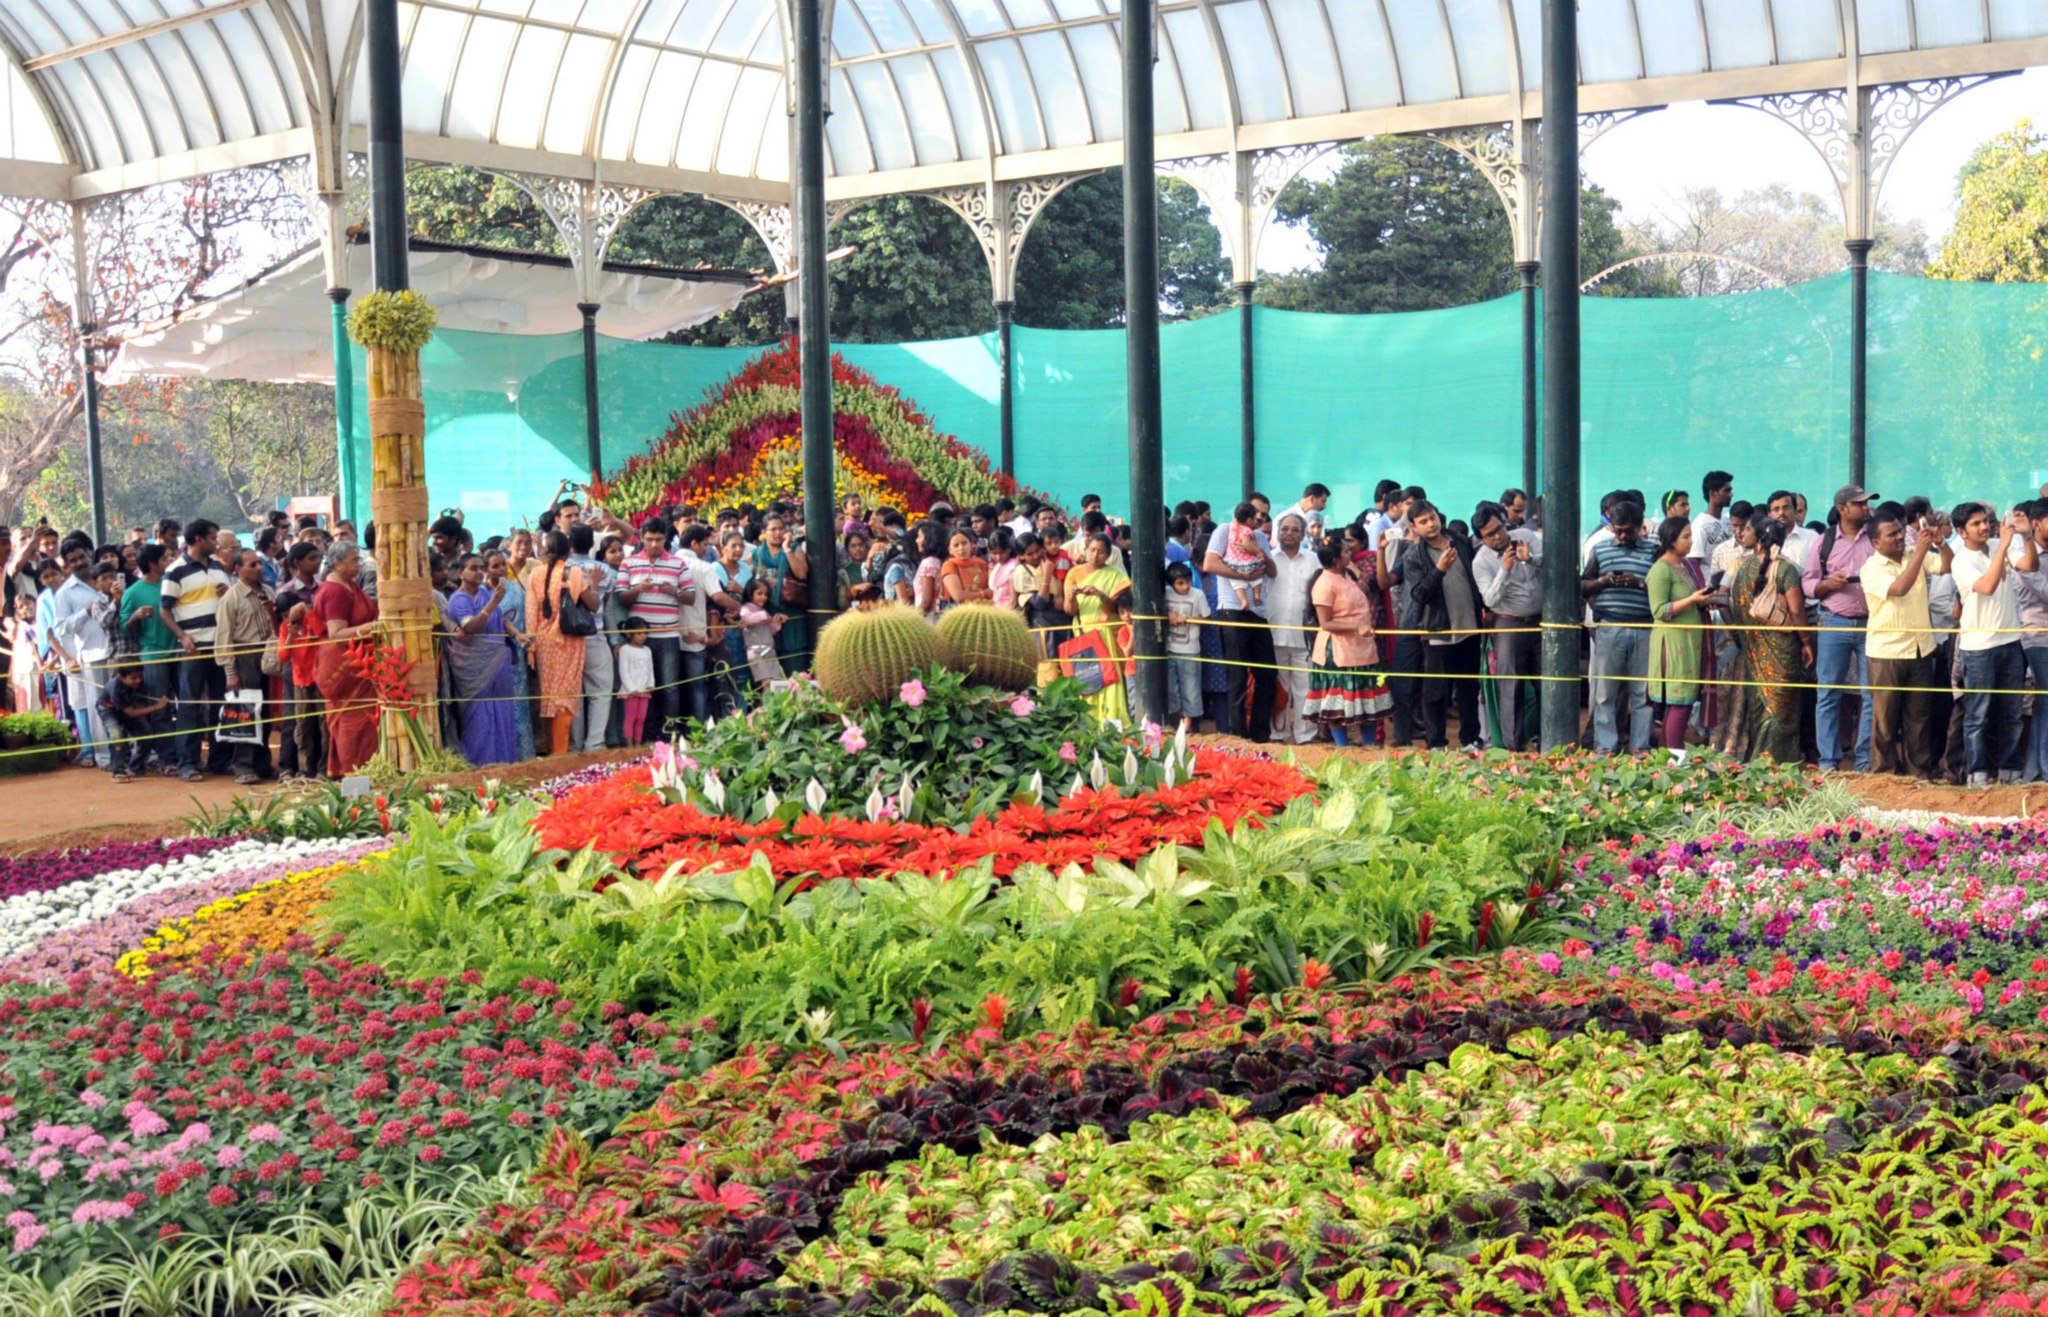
column 1791, row 236
column 2001, row 229
column 1071, row 272
column 1406, row 224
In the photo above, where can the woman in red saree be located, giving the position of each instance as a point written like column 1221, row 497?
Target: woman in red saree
column 346, row 612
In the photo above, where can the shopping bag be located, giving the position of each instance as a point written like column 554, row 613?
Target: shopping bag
column 1087, row 658
column 241, row 717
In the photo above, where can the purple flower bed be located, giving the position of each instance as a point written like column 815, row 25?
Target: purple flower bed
column 39, row 873
column 99, row 944
column 557, row 787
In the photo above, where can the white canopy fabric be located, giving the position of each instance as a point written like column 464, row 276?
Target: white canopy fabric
column 278, row 327
column 690, row 95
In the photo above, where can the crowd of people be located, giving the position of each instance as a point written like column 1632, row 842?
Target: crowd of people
column 1882, row 635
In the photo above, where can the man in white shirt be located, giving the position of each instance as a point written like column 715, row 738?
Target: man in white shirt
column 1710, row 529
column 1799, row 541
column 1994, row 669
column 692, row 624
column 1287, row 607
column 1314, row 499
column 1511, row 589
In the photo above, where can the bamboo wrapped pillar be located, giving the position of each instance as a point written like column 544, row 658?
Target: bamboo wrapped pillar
column 391, row 329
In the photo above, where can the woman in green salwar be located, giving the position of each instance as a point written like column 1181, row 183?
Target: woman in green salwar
column 1678, row 600
column 1774, row 646
column 1092, row 590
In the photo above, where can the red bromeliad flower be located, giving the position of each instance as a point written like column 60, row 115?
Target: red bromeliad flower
column 1242, row 996
column 1425, row 929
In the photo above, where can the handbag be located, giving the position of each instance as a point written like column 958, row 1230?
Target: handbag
column 272, row 662
column 1769, row 606
column 575, row 619
column 1088, row 660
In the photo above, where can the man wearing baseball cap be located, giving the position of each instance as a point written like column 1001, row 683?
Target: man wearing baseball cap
column 1834, row 578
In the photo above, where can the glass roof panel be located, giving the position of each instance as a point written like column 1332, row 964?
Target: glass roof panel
column 25, row 131
column 774, row 164
column 931, row 131
column 1101, row 59
column 768, row 47
column 629, row 94
column 213, row 62
column 696, row 23
column 1201, row 76
column 697, row 132
column 201, row 118
column 160, row 111
column 2011, row 20
column 1255, row 60
column 981, row 17
column 1028, row 13
column 274, row 93
column 604, row 15
column 891, row 27
column 1428, row 70
column 1169, row 89
column 1060, row 95
column 574, row 99
column 1671, row 37
column 124, row 135
column 887, row 123
column 931, row 26
column 846, row 137
column 1018, row 127
column 1884, row 25
column 510, row 8
column 429, row 63
column 1529, row 32
column 850, row 38
column 532, row 68
column 1807, row 31
column 661, row 112
column 740, row 33
column 1371, row 78
column 1482, row 42
column 1738, row 34
column 1070, row 9
column 480, row 78
column 962, row 103
column 1608, row 50
column 1949, row 24
column 1312, row 71
column 756, row 99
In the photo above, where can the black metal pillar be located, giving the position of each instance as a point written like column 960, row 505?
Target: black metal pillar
column 387, row 147
column 1530, row 394
column 813, row 318
column 1006, row 391
column 1561, row 598
column 1859, row 354
column 1141, row 339
column 1247, row 373
column 95, row 474
column 593, row 448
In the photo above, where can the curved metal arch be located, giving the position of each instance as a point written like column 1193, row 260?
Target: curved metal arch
column 114, row 120
column 956, row 31
column 1635, row 27
column 1226, row 70
column 1772, row 278
column 1280, row 53
column 1443, row 15
column 312, row 92
column 177, row 35
column 895, row 87
column 1393, row 53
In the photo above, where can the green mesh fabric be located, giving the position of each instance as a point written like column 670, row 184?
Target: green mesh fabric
column 1755, row 383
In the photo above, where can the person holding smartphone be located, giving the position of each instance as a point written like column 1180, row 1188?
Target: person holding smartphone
column 1994, row 668
column 1900, row 642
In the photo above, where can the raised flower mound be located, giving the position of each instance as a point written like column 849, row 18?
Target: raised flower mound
column 622, row 818
column 102, row 942
column 1945, row 917
column 32, row 917
column 263, row 916
column 226, row 1094
column 700, row 1202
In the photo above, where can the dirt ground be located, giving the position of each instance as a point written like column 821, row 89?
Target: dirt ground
column 74, row 807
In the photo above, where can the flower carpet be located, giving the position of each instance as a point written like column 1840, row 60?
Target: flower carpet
column 1212, row 1035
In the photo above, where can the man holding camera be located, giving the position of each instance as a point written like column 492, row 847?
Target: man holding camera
column 1511, row 588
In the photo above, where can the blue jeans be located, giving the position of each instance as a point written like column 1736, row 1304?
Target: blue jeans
column 1838, row 661
column 1621, row 667
column 1184, row 686
column 667, row 653
column 1991, row 722
column 2037, row 748
column 695, row 701
column 202, row 685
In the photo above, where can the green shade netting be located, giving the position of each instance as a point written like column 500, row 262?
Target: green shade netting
column 1754, row 383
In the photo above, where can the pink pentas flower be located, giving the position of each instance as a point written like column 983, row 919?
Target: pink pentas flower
column 28, row 1237
column 101, row 1209
column 228, row 1157
column 912, row 693
column 1022, row 706
column 265, row 1133
column 1067, row 752
column 93, row 1101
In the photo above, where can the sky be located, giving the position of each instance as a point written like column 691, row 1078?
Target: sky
column 1648, row 162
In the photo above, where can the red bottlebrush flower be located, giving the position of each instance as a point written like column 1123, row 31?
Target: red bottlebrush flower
column 1485, row 926
column 1242, row 994
column 1425, row 929
column 995, row 1010
column 920, row 1020
column 1129, row 996
column 1314, row 973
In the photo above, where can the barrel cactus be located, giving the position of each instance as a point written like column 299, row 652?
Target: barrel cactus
column 864, row 657
column 989, row 644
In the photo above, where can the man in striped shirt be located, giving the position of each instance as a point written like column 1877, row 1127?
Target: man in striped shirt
column 654, row 585
column 1616, row 581
column 192, row 592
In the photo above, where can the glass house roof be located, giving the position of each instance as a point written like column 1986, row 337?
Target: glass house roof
column 691, row 95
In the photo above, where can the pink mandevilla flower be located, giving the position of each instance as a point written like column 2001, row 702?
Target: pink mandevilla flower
column 912, row 693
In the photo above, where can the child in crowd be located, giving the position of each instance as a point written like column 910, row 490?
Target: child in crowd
column 133, row 720
column 25, row 672
column 757, row 628
column 1241, row 553
column 1185, row 609
column 636, row 679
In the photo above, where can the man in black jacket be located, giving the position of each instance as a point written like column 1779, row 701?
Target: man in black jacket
column 1441, row 598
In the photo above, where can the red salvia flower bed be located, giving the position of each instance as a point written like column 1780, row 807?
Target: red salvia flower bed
column 622, row 818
